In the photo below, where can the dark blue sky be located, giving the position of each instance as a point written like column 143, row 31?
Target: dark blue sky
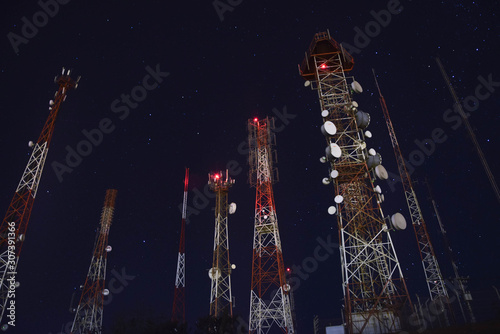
column 222, row 73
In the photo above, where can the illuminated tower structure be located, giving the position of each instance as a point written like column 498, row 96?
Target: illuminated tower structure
column 179, row 305
column 15, row 223
column 433, row 276
column 220, row 274
column 270, row 292
column 375, row 293
column 88, row 317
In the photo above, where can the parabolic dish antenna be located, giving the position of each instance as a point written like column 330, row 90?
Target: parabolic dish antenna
column 233, row 266
column 339, row 199
column 372, row 151
column 398, row 221
column 328, row 128
column 356, row 87
column 326, row 181
column 30, row 144
column 332, row 210
column 334, row 174
column 109, row 248
column 322, row 160
column 307, row 83
column 381, row 172
column 374, row 161
column 354, row 104
column 334, row 150
column 378, row 189
column 324, row 113
column 105, row 292
column 214, row 273
column 232, row 208
column 362, row 119
column 368, row 134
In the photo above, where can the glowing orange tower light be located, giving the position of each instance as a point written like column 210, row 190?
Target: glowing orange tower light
column 375, row 293
column 15, row 223
column 88, row 317
column 270, row 292
column 179, row 305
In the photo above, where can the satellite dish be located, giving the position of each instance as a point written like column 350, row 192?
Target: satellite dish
column 108, row 248
column 328, row 128
column 325, row 113
column 286, row 287
column 334, row 174
column 20, row 237
column 31, row 144
column 232, row 208
column 382, row 198
column 356, row 87
column 398, row 221
column 378, row 189
column 265, row 216
column 326, row 181
column 381, row 172
column 51, row 102
column 354, row 104
column 368, row 134
column 332, row 209
column 233, row 266
column 322, row 160
column 307, row 83
column 374, row 161
column 214, row 273
column 339, row 199
column 333, row 150
column 372, row 151
column 362, row 119
column 105, row 292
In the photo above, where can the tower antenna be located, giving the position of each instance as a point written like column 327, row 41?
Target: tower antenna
column 88, row 316
column 179, row 305
column 270, row 291
column 375, row 293
column 220, row 274
column 433, row 276
column 14, row 225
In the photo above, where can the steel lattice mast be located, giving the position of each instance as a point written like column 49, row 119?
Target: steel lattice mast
column 375, row 293
column 15, row 223
column 270, row 292
column 179, row 305
column 220, row 274
column 433, row 276
column 88, row 317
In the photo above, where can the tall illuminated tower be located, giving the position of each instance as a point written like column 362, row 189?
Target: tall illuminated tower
column 433, row 276
column 15, row 223
column 270, row 292
column 179, row 305
column 88, row 317
column 220, row 274
column 374, row 289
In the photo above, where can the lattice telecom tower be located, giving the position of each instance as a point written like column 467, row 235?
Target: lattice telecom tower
column 220, row 274
column 433, row 277
column 179, row 305
column 375, row 293
column 88, row 317
column 15, row 223
column 270, row 292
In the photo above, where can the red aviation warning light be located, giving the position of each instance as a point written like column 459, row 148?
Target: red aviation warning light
column 323, row 66
column 255, row 119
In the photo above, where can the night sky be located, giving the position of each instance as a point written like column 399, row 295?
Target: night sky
column 220, row 74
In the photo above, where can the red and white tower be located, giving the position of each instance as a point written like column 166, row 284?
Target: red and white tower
column 220, row 274
column 179, row 305
column 15, row 223
column 88, row 317
column 374, row 288
column 270, row 292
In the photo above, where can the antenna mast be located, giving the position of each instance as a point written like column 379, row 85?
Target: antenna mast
column 458, row 106
column 179, row 306
column 15, row 223
column 270, row 292
column 220, row 273
column 433, row 276
column 375, row 293
column 88, row 317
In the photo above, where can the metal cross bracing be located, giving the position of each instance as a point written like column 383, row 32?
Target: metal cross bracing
column 15, row 222
column 179, row 304
column 433, row 276
column 270, row 292
column 88, row 316
column 220, row 274
column 375, row 293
